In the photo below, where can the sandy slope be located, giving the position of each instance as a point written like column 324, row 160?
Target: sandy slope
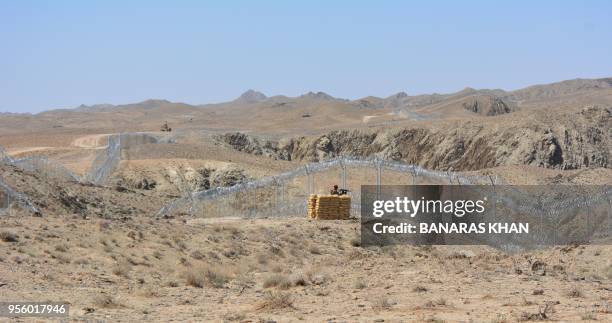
column 288, row 270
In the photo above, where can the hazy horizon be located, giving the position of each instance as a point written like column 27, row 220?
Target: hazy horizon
column 64, row 54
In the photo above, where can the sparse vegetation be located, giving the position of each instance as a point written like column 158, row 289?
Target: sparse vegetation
column 419, row 289
column 276, row 300
column 382, row 303
column 277, row 280
column 360, row 284
column 61, row 248
column 106, row 301
column 8, row 236
column 575, row 292
column 197, row 255
column 122, row 269
column 543, row 313
column 588, row 316
column 205, row 275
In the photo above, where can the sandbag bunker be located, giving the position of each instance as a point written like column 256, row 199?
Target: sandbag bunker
column 329, row 207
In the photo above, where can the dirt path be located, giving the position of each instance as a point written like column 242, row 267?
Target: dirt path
column 91, row 141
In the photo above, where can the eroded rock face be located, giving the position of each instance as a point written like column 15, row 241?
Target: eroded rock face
column 250, row 144
column 488, row 105
column 183, row 178
column 580, row 139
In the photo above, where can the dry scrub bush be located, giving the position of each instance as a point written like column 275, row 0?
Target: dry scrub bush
column 122, row 269
column 277, row 280
column 299, row 279
column 106, row 301
column 203, row 275
column 276, row 300
column 541, row 315
column 61, row 258
column 588, row 316
column 61, row 248
column 315, row 250
column 419, row 289
column 360, row 284
column 7, row 236
column 575, row 292
column 316, row 276
column 233, row 317
column 197, row 255
column 382, row 303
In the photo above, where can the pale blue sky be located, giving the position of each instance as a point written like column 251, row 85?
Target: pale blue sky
column 56, row 54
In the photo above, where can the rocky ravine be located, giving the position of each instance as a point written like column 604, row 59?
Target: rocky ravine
column 576, row 139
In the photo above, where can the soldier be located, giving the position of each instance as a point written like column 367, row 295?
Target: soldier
column 334, row 191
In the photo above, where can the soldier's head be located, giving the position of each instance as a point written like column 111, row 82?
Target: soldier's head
column 335, row 187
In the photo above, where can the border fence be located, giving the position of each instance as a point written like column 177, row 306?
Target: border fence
column 288, row 192
column 558, row 215
column 105, row 163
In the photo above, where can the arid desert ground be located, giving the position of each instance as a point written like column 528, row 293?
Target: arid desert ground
column 105, row 249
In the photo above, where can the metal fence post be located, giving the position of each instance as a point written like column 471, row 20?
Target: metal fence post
column 378, row 178
column 609, row 217
column 343, row 174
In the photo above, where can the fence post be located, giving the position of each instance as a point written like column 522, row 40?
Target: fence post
column 309, row 180
column 378, row 177
column 494, row 198
column 609, row 217
column 587, row 206
column 343, row 174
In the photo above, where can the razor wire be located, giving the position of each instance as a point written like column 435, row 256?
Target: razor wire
column 311, row 169
column 261, row 198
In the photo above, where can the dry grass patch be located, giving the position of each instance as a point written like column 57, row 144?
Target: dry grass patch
column 575, row 292
column 299, row 279
column 197, row 255
column 382, row 303
column 61, row 248
column 206, row 276
column 106, row 301
column 542, row 314
column 419, row 289
column 277, row 280
column 276, row 300
column 122, row 269
column 233, row 317
column 360, row 284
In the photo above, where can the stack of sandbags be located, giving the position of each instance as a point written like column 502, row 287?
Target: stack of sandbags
column 344, row 208
column 312, row 205
column 330, row 207
column 327, row 207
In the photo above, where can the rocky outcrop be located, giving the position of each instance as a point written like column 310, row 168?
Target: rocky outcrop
column 487, row 105
column 181, row 178
column 252, row 145
column 577, row 140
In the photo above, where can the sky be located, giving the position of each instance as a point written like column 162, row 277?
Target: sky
column 61, row 54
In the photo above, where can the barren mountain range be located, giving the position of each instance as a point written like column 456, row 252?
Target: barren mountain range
column 564, row 125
